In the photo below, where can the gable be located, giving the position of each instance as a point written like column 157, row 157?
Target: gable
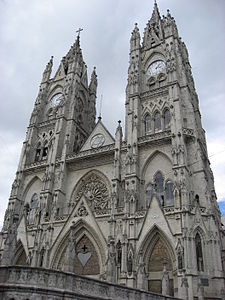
column 99, row 137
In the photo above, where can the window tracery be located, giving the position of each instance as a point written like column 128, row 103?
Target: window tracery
column 164, row 191
column 95, row 192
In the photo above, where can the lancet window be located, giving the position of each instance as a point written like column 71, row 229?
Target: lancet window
column 157, row 122
column 45, row 150
column 159, row 187
column 119, row 253
column 148, row 195
column 199, row 256
column 163, row 189
column 169, row 193
column 166, row 117
column 38, row 152
column 147, row 124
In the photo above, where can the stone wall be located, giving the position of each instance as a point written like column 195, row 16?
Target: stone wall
column 17, row 283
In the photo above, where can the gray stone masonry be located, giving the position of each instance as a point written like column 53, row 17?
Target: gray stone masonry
column 37, row 283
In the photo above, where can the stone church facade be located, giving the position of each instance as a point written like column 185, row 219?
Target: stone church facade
column 137, row 209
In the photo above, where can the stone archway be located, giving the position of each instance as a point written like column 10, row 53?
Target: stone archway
column 20, row 258
column 155, row 249
column 158, row 256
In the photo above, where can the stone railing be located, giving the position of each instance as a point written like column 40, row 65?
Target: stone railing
column 37, row 283
column 34, row 165
column 90, row 152
column 162, row 135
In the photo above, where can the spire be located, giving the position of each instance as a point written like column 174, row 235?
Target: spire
column 94, row 82
column 135, row 38
column 48, row 70
column 153, row 33
column 155, row 14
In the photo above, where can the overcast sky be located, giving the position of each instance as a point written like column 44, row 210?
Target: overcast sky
column 32, row 31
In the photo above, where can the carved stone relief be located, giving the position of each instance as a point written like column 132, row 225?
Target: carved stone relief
column 95, row 192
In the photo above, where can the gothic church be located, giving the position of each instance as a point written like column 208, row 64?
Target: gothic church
column 137, row 209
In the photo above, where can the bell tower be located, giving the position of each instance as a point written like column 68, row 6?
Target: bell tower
column 63, row 117
column 163, row 120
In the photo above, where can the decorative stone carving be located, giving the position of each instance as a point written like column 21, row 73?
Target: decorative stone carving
column 95, row 192
column 82, row 211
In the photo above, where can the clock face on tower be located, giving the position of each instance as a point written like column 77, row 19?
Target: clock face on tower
column 97, row 140
column 156, row 67
column 56, row 99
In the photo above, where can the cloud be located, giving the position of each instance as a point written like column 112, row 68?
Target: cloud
column 32, row 31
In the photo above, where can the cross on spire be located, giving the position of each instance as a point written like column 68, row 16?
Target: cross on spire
column 79, row 31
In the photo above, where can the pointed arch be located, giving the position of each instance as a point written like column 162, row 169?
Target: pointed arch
column 156, row 55
column 82, row 229
column 156, row 249
column 29, row 191
column 20, row 257
column 200, row 230
column 55, row 90
column 150, row 240
column 150, row 158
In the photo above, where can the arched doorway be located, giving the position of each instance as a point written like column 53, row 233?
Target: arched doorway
column 20, row 255
column 158, row 256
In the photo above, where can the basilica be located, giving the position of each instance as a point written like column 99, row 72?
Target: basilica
column 136, row 209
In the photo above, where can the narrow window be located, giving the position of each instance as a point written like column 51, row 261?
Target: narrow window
column 169, row 193
column 159, row 187
column 42, row 257
column 38, row 153
column 148, row 196
column 199, row 256
column 119, row 253
column 180, row 261
column 45, row 151
column 157, row 122
column 34, row 201
column 130, row 264
column 166, row 119
column 147, row 124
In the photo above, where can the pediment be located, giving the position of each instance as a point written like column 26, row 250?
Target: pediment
column 99, row 137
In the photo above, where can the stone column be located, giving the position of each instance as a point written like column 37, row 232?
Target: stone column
column 111, row 261
column 165, row 279
column 141, row 274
